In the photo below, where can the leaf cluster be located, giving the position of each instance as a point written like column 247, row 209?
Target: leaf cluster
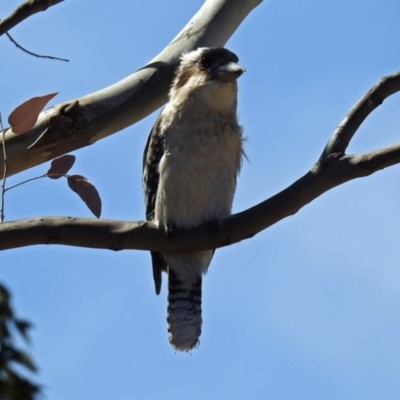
column 21, row 120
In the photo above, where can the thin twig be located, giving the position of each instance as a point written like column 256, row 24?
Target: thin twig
column 34, row 54
column 36, row 177
column 3, row 184
column 28, row 180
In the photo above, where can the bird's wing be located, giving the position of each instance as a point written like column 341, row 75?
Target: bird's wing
column 153, row 152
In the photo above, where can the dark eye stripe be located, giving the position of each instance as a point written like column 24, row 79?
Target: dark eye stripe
column 217, row 56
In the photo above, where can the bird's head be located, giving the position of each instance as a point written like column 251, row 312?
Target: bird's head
column 208, row 74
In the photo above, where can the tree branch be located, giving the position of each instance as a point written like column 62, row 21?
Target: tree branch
column 24, row 11
column 334, row 168
column 144, row 235
column 379, row 159
column 77, row 123
column 343, row 134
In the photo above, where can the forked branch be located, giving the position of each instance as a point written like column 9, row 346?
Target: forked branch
column 343, row 134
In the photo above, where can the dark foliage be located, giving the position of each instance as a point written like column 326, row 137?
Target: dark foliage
column 14, row 386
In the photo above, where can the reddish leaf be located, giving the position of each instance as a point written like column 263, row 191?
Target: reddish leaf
column 60, row 166
column 24, row 117
column 87, row 192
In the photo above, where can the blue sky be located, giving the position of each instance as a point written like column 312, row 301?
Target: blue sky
column 310, row 308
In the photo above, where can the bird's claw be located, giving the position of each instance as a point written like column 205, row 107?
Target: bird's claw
column 214, row 226
column 170, row 230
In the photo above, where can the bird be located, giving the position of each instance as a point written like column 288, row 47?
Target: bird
column 190, row 165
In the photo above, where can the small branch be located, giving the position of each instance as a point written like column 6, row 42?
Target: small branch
column 24, row 11
column 343, row 134
column 34, row 54
column 378, row 159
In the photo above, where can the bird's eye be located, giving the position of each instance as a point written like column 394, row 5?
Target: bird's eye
column 205, row 62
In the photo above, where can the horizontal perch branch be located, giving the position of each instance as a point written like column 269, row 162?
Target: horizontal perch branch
column 119, row 235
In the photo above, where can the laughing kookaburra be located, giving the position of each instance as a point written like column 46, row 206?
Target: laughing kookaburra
column 190, row 164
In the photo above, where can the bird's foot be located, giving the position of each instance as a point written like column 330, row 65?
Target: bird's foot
column 170, row 230
column 214, row 226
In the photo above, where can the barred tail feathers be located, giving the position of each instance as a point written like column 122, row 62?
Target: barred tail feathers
column 184, row 311
column 184, row 297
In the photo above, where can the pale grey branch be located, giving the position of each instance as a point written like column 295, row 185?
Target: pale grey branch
column 24, row 11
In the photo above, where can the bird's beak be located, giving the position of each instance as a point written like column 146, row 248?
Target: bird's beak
column 228, row 72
